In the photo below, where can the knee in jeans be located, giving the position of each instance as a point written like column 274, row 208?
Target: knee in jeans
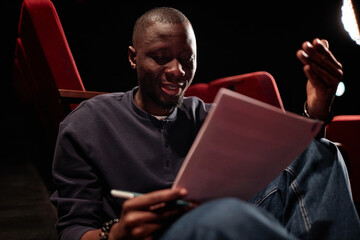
column 227, row 218
column 226, row 213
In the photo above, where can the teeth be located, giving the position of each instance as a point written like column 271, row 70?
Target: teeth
column 172, row 87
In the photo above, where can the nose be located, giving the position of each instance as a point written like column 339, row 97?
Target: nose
column 174, row 70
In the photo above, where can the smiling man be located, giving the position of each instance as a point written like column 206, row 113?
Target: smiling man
column 137, row 141
column 164, row 56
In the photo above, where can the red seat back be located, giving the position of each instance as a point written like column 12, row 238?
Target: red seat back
column 43, row 64
column 200, row 90
column 258, row 85
column 45, row 45
column 345, row 129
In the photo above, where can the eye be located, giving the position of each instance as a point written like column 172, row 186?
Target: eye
column 188, row 59
column 161, row 60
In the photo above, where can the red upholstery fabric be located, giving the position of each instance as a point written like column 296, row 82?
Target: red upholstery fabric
column 43, row 64
column 345, row 129
column 259, row 85
column 45, row 77
column 46, row 46
column 37, row 94
column 23, row 74
column 200, row 90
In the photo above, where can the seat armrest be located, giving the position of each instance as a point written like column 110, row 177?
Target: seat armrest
column 78, row 95
column 70, row 99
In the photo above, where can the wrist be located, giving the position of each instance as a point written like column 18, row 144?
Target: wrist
column 327, row 118
column 106, row 228
column 306, row 111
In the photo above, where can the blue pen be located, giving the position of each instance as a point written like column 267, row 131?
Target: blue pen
column 128, row 195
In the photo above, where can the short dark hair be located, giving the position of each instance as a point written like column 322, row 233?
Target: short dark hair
column 159, row 14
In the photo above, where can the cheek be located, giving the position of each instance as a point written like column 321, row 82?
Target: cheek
column 149, row 74
column 191, row 69
column 147, row 71
column 190, row 74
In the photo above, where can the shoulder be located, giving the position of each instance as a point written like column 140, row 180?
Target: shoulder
column 102, row 100
column 101, row 103
column 96, row 108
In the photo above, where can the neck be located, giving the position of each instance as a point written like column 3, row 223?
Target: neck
column 150, row 107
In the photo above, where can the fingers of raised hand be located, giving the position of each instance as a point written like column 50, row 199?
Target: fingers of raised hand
column 318, row 75
column 321, row 61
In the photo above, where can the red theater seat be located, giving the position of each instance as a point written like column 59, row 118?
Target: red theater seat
column 45, row 74
column 46, row 79
column 345, row 129
column 258, row 85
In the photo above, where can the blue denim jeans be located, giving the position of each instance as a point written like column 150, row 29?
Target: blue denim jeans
column 311, row 199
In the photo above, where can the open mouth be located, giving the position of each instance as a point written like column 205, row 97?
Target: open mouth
column 171, row 89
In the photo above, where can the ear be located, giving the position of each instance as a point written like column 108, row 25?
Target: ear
column 132, row 56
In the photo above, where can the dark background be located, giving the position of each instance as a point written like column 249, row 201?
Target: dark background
column 233, row 38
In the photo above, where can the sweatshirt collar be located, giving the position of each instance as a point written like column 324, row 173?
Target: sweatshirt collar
column 145, row 114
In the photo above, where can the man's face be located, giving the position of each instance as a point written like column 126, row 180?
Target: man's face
column 165, row 60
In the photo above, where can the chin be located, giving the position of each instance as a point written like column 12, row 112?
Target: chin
column 171, row 103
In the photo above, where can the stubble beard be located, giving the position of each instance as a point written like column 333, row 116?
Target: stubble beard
column 169, row 106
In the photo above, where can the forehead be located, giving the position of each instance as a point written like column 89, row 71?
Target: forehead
column 159, row 34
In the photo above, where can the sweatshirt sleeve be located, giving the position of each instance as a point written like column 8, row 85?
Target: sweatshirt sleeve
column 78, row 197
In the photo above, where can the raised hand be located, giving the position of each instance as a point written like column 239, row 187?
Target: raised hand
column 324, row 73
